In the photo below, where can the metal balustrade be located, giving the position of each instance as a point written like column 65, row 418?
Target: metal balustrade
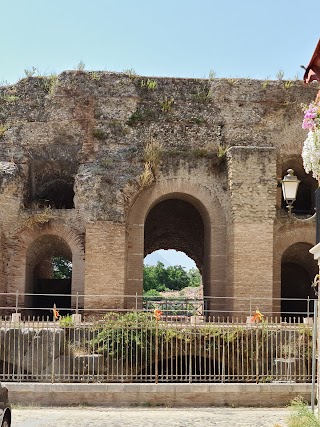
column 136, row 347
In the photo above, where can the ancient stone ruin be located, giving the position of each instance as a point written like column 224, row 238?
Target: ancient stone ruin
column 102, row 169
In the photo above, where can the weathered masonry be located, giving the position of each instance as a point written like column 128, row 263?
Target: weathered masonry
column 102, row 169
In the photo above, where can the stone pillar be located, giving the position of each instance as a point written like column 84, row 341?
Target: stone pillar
column 252, row 186
column 105, row 266
column 135, row 265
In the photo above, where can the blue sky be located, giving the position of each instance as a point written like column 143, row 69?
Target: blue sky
column 180, row 38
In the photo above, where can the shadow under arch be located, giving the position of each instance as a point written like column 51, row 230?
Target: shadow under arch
column 199, row 201
column 40, row 276
column 288, row 236
column 297, row 272
column 68, row 242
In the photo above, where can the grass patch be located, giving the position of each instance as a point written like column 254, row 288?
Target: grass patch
column 301, row 415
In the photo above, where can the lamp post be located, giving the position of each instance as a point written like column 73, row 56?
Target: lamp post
column 290, row 184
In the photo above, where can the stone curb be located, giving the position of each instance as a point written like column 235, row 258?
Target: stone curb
column 172, row 395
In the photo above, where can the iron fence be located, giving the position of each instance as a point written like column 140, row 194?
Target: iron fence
column 32, row 305
column 136, row 347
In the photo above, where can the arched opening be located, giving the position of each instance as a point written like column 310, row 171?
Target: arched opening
column 51, row 183
column 57, row 193
column 171, row 279
column 175, row 224
column 48, row 275
column 297, row 272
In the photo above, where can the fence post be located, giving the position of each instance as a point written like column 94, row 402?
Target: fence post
column 17, row 301
column 156, row 355
column 314, row 346
column 77, row 303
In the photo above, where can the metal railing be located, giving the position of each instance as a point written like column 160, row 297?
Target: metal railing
column 39, row 305
column 136, row 347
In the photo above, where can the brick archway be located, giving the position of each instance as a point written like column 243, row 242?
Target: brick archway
column 22, row 259
column 285, row 238
column 214, row 224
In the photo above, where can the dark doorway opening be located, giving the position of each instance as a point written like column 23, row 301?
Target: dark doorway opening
column 297, row 272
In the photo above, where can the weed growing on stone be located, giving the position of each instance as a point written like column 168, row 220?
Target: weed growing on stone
column 38, row 219
column 146, row 178
column 197, row 120
column 167, row 105
column 3, row 129
column 99, row 133
column 9, row 98
column 202, row 95
column 280, row 75
column 149, row 84
column 94, row 75
column 152, row 153
column 212, row 75
column 131, row 73
column 50, row 83
column 31, row 72
column 288, row 84
column 80, row 66
column 221, row 151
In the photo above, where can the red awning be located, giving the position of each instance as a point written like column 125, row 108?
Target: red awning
column 313, row 69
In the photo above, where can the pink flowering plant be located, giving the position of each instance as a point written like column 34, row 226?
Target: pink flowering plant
column 311, row 118
column 311, row 146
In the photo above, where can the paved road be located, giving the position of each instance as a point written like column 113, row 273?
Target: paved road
column 147, row 417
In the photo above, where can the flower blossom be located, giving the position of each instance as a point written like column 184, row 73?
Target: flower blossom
column 311, row 116
column 311, row 153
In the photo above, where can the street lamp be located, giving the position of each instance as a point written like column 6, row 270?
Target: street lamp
column 290, row 184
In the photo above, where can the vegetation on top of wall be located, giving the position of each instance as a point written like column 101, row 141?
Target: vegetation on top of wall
column 203, row 94
column 50, row 83
column 149, row 84
column 131, row 73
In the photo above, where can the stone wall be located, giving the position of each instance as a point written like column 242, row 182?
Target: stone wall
column 222, row 142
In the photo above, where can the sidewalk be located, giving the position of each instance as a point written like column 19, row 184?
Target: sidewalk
column 147, row 417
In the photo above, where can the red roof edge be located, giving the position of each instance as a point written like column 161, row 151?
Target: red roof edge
column 313, row 69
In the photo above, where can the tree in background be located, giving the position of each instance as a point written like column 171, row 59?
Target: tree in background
column 62, row 268
column 158, row 278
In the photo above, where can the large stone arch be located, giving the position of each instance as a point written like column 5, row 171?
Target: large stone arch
column 215, row 239
column 25, row 254
column 284, row 239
